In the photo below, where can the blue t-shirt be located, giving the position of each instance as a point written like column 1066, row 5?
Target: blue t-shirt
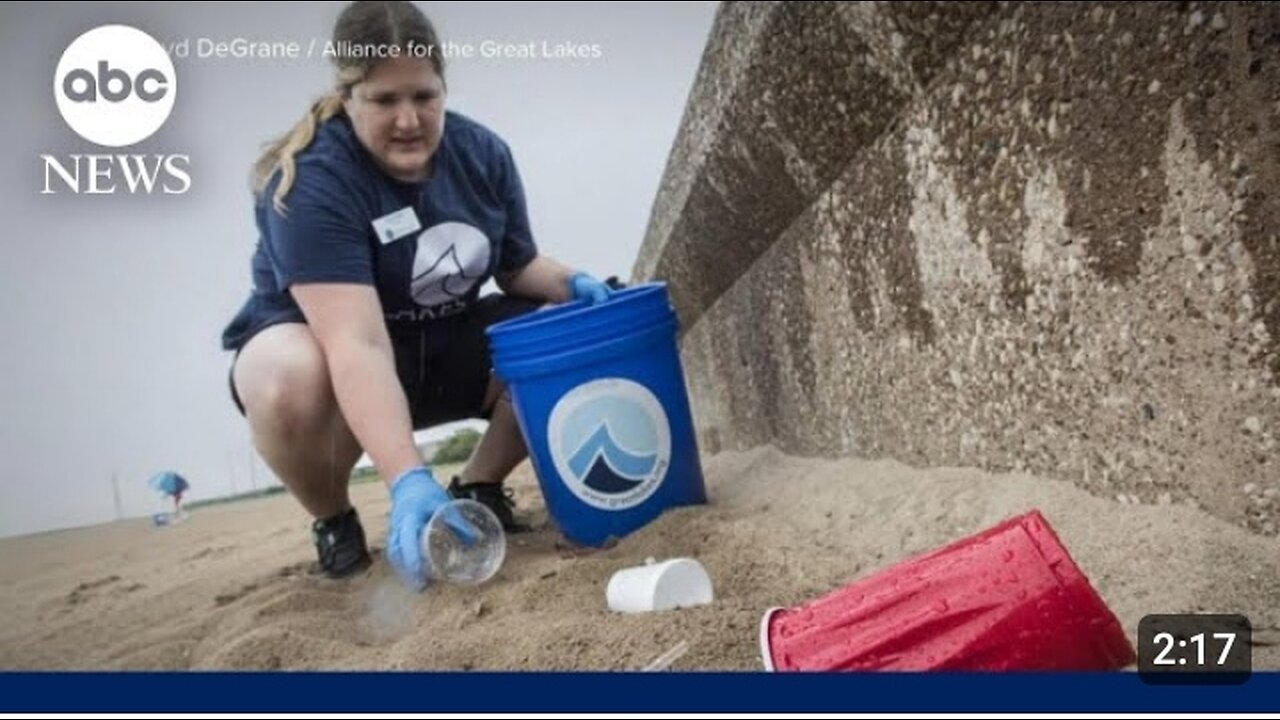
column 471, row 212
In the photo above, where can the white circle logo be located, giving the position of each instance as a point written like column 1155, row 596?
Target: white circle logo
column 450, row 258
column 115, row 85
column 610, row 442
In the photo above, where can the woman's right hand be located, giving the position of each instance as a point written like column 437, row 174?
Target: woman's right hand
column 415, row 497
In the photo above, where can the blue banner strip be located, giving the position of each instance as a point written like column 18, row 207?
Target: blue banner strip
column 326, row 692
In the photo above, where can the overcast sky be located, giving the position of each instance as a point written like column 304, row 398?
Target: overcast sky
column 114, row 304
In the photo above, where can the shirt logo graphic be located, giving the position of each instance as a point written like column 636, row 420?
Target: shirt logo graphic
column 451, row 260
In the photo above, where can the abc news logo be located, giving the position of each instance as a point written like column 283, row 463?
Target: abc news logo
column 80, row 85
column 115, row 86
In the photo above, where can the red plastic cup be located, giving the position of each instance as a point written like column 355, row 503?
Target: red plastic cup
column 1008, row 598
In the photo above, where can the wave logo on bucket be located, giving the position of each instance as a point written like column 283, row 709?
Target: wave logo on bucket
column 611, row 443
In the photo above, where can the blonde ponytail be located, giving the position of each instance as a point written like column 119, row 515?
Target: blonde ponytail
column 279, row 154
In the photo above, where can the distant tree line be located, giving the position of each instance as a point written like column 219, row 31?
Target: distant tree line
column 457, row 448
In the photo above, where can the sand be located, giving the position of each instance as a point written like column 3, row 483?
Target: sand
column 233, row 587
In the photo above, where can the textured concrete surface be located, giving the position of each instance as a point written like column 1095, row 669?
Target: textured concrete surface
column 1034, row 236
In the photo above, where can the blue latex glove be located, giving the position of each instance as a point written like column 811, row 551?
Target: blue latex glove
column 415, row 497
column 584, row 287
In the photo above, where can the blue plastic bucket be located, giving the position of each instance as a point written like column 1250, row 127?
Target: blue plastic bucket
column 600, row 396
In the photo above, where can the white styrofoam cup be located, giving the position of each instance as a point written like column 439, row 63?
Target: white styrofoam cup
column 676, row 583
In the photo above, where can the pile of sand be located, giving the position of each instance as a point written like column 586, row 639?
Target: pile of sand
column 232, row 587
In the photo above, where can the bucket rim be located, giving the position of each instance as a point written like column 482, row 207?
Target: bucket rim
column 571, row 310
column 529, row 338
column 528, row 366
column 766, row 649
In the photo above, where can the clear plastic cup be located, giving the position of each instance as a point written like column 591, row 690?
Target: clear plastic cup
column 463, row 543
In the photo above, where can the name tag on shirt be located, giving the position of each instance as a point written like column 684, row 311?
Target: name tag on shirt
column 390, row 228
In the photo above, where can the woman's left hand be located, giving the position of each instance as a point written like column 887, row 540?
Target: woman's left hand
column 584, row 287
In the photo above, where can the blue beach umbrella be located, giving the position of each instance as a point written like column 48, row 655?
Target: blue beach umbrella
column 168, row 483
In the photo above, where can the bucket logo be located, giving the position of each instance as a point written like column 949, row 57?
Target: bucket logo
column 115, row 85
column 451, row 259
column 610, row 442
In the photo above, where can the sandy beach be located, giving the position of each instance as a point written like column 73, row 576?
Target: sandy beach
column 233, row 586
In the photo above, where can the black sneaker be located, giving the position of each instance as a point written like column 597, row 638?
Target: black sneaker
column 491, row 495
column 341, row 545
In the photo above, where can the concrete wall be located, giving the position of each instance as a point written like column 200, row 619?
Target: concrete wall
column 1022, row 236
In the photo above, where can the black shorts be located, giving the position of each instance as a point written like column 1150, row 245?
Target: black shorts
column 444, row 367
